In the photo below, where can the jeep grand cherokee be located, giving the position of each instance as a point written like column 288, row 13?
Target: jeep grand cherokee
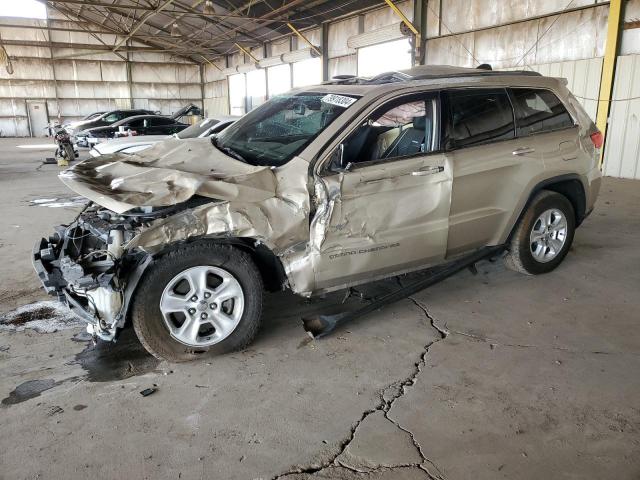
column 320, row 189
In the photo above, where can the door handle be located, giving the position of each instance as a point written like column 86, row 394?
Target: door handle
column 428, row 171
column 523, row 151
column 568, row 159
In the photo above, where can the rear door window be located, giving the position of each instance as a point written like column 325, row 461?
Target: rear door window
column 112, row 118
column 479, row 116
column 539, row 111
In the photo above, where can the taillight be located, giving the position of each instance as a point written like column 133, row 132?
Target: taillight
column 597, row 139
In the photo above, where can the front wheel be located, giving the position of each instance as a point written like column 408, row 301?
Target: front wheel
column 198, row 298
column 543, row 236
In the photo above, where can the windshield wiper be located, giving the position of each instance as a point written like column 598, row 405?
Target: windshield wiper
column 229, row 151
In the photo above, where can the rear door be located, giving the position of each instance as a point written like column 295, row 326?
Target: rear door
column 389, row 206
column 492, row 168
column 546, row 125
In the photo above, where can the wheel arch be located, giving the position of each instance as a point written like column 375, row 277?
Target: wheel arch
column 269, row 265
column 570, row 186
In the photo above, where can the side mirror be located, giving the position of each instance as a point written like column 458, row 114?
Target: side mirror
column 336, row 163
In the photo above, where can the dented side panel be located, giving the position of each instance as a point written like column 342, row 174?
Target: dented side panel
column 382, row 219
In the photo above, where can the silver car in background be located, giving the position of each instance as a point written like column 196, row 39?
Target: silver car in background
column 133, row 144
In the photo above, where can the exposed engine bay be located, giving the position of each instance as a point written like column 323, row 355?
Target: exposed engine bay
column 85, row 264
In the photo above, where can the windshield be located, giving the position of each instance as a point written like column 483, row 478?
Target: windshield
column 279, row 129
column 198, row 129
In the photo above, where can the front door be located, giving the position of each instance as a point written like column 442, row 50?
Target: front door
column 38, row 118
column 389, row 206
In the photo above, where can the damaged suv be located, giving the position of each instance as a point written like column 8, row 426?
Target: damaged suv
column 320, row 189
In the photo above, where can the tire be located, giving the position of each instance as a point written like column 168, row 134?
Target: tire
column 68, row 152
column 152, row 325
column 548, row 255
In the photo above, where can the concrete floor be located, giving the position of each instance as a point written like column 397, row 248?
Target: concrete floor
column 497, row 375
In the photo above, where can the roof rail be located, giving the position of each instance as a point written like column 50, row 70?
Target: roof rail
column 426, row 72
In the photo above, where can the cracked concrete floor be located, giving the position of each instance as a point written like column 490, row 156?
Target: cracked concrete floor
column 496, row 375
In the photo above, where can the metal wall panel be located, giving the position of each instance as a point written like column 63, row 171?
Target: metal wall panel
column 347, row 65
column 281, row 46
column 14, row 127
column 571, row 36
column 29, row 69
column 339, row 32
column 27, row 89
column 385, row 16
column 463, row 15
column 164, row 73
column 166, row 91
column 622, row 147
column 631, row 37
column 212, row 74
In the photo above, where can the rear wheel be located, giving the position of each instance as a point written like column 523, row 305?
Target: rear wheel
column 69, row 154
column 543, row 236
column 198, row 298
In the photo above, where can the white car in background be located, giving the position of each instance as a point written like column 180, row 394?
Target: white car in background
column 134, row 144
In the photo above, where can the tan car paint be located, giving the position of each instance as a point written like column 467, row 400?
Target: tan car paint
column 334, row 230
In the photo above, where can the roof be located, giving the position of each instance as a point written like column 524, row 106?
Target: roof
column 438, row 76
column 202, row 35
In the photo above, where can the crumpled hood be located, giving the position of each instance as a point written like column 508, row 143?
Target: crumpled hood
column 168, row 173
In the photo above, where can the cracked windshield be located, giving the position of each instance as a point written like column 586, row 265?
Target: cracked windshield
column 278, row 130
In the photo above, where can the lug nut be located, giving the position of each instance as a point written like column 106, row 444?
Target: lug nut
column 213, row 306
column 203, row 316
column 207, row 294
column 194, row 298
column 192, row 311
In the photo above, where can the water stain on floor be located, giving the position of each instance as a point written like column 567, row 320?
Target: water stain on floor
column 42, row 313
column 108, row 361
column 28, row 390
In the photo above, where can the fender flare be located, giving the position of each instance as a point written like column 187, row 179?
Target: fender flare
column 263, row 257
column 580, row 210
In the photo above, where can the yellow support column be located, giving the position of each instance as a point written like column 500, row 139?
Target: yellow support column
column 408, row 23
column 608, row 68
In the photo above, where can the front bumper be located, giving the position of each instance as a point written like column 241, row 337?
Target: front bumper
column 79, row 266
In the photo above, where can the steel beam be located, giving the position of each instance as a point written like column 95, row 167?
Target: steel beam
column 614, row 28
column 141, row 22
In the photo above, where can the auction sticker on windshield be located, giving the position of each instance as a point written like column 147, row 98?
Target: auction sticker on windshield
column 339, row 100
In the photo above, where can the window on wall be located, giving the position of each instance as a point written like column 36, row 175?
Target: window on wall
column 237, row 94
column 384, row 57
column 256, row 88
column 279, row 79
column 307, row 72
column 23, row 8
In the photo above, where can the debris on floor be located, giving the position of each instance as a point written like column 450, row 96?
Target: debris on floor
column 148, row 391
column 43, row 317
column 58, row 202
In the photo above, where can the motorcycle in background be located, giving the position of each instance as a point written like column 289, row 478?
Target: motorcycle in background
column 64, row 151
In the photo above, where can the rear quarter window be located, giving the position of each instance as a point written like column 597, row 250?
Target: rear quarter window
column 538, row 111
